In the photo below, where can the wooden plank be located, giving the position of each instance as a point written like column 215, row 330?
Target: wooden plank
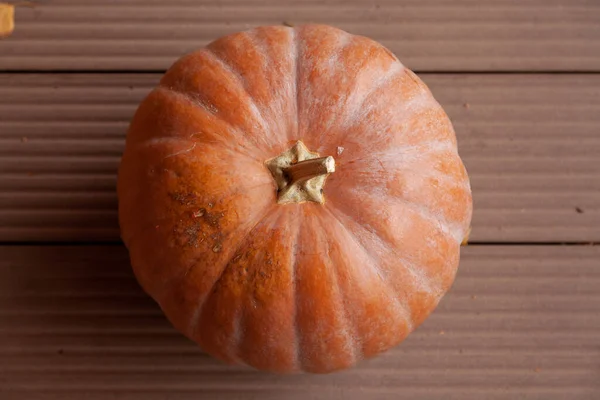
column 520, row 322
column 429, row 35
column 530, row 143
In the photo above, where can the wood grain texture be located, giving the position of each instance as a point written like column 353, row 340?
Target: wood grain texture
column 431, row 35
column 530, row 144
column 520, row 322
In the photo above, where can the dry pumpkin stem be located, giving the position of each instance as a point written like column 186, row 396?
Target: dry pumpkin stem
column 300, row 174
column 309, row 169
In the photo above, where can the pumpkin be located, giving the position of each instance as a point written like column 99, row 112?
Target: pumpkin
column 293, row 198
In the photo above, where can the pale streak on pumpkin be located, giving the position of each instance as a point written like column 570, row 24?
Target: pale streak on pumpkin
column 440, row 191
column 294, row 53
column 266, row 78
column 413, row 178
column 380, row 319
column 195, row 121
column 236, row 141
column 326, row 337
column 357, row 108
column 407, row 281
column 395, row 225
column 369, row 71
column 240, row 80
column 320, row 77
column 367, row 183
column 385, row 125
column 222, row 91
column 348, row 279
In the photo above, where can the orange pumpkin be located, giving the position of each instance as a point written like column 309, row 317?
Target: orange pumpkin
column 293, row 198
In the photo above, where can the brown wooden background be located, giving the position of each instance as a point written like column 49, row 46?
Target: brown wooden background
column 520, row 80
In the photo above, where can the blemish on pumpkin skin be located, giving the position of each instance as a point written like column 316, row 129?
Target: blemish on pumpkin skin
column 254, row 272
column 185, row 199
column 192, row 234
column 212, row 219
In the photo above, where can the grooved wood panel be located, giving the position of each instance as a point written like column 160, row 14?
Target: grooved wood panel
column 531, row 144
column 427, row 35
column 520, row 322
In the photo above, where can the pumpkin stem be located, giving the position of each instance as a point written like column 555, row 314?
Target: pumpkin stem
column 300, row 174
column 309, row 169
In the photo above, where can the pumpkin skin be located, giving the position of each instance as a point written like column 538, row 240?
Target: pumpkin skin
column 303, row 286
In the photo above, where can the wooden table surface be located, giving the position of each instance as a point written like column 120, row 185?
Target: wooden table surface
column 520, row 80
